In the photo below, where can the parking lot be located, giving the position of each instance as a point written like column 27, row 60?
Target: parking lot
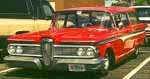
column 130, row 69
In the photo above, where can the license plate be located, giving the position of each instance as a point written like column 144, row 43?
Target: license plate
column 76, row 67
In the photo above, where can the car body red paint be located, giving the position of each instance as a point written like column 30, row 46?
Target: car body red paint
column 76, row 44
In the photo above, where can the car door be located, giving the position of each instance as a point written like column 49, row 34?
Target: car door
column 124, row 33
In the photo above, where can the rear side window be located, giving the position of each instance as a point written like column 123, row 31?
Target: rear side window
column 121, row 20
column 14, row 8
column 133, row 18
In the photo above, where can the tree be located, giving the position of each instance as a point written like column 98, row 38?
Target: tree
column 129, row 3
column 125, row 4
column 142, row 2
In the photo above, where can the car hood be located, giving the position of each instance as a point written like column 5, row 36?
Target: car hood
column 67, row 35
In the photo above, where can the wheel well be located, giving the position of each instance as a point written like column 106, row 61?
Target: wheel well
column 21, row 32
column 110, row 50
column 111, row 53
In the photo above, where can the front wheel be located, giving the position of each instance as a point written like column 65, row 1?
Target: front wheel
column 108, row 64
column 104, row 69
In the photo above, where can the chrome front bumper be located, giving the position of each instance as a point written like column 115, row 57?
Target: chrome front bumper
column 58, row 64
column 80, row 61
column 88, row 64
column 24, row 62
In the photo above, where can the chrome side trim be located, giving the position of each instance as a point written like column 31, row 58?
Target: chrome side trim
column 20, row 40
column 25, row 44
column 107, row 40
column 74, row 56
column 123, row 37
column 76, row 41
column 77, row 46
column 29, row 55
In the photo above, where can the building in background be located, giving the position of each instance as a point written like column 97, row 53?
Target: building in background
column 110, row 2
column 53, row 5
column 62, row 4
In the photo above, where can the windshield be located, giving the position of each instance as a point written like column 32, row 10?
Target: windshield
column 80, row 19
column 143, row 12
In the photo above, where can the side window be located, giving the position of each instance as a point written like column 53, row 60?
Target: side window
column 66, row 20
column 133, row 18
column 71, row 21
column 102, row 18
column 47, row 9
column 60, row 21
column 121, row 20
column 14, row 9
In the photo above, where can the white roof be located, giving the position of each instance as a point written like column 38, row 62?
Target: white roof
column 140, row 6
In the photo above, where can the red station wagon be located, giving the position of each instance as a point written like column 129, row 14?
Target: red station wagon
column 81, row 39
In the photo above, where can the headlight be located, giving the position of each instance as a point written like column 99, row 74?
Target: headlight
column 90, row 52
column 19, row 50
column 85, row 52
column 11, row 49
column 80, row 52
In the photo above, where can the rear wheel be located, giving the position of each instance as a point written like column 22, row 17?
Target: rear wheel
column 146, row 41
column 136, row 52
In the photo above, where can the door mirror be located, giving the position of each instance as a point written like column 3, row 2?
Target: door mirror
column 120, row 24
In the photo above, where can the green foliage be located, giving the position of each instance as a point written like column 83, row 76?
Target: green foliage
column 142, row 2
column 128, row 3
column 139, row 2
column 121, row 4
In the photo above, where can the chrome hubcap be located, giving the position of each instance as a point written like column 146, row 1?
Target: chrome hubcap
column 106, row 62
column 137, row 51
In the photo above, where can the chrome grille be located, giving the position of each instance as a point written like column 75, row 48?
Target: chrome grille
column 46, row 48
column 63, row 51
column 31, row 50
column 71, row 51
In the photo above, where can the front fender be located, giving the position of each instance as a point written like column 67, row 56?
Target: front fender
column 103, row 48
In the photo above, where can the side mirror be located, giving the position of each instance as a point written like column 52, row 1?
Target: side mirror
column 86, row 24
column 120, row 24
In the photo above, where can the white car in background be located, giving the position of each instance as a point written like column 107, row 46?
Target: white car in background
column 143, row 14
